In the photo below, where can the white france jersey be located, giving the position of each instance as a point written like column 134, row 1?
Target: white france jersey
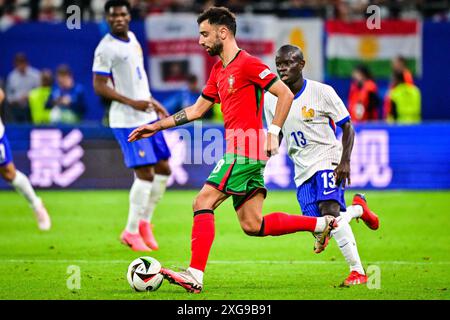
column 309, row 129
column 124, row 62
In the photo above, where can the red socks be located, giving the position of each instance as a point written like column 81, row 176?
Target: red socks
column 202, row 238
column 279, row 223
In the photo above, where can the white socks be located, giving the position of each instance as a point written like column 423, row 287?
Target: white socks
column 198, row 274
column 139, row 195
column 158, row 189
column 22, row 185
column 347, row 244
column 352, row 212
column 144, row 196
column 320, row 224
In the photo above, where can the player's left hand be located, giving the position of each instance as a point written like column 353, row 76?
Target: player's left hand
column 342, row 173
column 271, row 145
column 142, row 132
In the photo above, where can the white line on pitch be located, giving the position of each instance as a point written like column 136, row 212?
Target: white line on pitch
column 224, row 262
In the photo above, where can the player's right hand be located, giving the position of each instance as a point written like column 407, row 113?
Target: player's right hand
column 271, row 145
column 141, row 105
column 142, row 132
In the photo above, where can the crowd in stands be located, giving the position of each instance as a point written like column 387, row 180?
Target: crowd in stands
column 402, row 102
column 54, row 96
column 14, row 11
column 33, row 96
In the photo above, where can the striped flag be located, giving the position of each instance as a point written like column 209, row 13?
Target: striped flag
column 349, row 44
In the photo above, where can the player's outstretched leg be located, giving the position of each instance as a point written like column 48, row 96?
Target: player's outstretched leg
column 279, row 223
column 202, row 237
column 22, row 184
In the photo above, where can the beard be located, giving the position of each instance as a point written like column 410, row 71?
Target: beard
column 216, row 49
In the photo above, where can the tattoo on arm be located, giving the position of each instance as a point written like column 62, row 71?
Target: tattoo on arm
column 180, row 118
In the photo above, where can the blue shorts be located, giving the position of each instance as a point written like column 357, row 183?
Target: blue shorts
column 320, row 187
column 5, row 151
column 143, row 152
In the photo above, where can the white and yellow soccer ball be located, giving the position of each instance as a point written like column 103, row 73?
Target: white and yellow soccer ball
column 144, row 274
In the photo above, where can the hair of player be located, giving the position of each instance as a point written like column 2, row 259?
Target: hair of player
column 219, row 16
column 289, row 48
column 116, row 3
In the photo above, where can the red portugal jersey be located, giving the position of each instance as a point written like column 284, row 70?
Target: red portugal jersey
column 239, row 88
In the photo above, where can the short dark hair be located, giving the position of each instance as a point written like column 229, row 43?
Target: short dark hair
column 219, row 16
column 116, row 3
column 289, row 48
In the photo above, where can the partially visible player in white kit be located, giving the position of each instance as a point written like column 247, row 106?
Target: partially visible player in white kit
column 119, row 60
column 18, row 180
column 322, row 162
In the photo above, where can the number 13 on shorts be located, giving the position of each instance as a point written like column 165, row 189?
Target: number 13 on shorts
column 329, row 181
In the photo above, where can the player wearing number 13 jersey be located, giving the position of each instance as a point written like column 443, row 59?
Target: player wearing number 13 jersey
column 237, row 81
column 322, row 162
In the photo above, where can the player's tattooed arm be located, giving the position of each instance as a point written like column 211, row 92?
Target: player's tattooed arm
column 186, row 115
column 180, row 117
column 194, row 112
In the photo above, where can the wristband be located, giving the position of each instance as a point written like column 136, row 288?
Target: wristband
column 274, row 129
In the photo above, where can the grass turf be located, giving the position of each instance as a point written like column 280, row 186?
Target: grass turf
column 411, row 248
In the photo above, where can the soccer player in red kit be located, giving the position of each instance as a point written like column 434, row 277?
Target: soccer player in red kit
column 236, row 81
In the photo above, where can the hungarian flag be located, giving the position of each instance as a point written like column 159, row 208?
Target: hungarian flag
column 353, row 43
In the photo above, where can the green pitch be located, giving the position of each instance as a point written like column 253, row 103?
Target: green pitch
column 411, row 250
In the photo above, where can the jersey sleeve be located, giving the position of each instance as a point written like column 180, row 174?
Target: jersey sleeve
column 210, row 91
column 334, row 107
column 103, row 59
column 259, row 73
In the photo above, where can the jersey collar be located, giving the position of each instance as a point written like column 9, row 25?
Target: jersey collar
column 223, row 66
column 301, row 90
column 117, row 38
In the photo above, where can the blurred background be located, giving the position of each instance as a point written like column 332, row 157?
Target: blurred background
column 393, row 75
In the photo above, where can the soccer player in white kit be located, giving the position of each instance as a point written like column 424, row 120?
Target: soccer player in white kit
column 18, row 180
column 322, row 162
column 119, row 60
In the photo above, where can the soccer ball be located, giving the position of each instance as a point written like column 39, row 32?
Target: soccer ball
column 143, row 274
